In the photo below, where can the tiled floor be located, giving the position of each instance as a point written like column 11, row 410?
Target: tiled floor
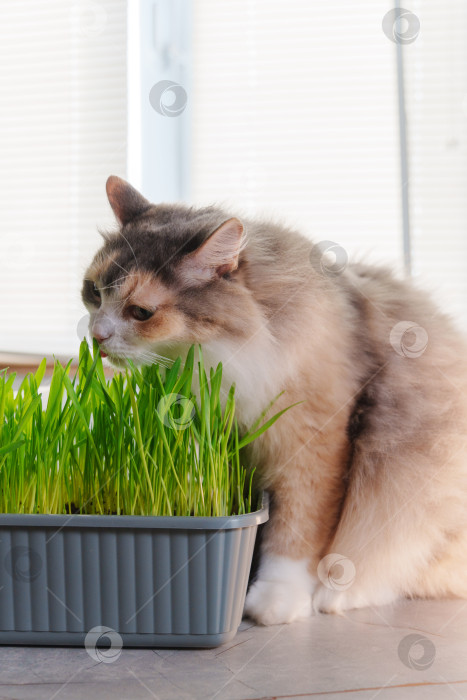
column 366, row 654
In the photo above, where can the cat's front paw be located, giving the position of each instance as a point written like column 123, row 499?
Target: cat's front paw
column 273, row 603
column 282, row 592
column 330, row 601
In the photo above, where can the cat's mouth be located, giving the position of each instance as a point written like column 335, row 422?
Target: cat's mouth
column 116, row 360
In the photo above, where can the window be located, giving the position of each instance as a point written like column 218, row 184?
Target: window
column 295, row 113
column 435, row 67
column 291, row 110
column 62, row 131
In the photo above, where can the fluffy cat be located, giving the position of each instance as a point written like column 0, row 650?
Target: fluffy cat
column 368, row 475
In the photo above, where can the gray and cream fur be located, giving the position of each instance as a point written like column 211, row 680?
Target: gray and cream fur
column 368, row 475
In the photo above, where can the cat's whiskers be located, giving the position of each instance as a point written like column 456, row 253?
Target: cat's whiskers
column 120, row 304
column 156, row 357
column 130, row 247
column 121, row 268
column 114, row 284
column 164, row 357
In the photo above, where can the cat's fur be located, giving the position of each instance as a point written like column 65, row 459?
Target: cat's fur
column 372, row 466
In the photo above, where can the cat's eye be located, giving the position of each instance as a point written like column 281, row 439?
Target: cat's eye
column 140, row 314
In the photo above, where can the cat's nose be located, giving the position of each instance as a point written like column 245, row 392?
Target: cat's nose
column 102, row 330
column 100, row 337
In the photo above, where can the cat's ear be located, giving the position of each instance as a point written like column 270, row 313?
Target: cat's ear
column 126, row 202
column 217, row 256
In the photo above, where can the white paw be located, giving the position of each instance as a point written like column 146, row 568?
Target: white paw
column 282, row 592
column 272, row 603
column 329, row 601
column 338, row 590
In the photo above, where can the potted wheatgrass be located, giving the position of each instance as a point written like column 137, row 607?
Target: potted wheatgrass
column 125, row 508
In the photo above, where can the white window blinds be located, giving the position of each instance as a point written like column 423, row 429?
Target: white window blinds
column 295, row 114
column 62, row 131
column 436, row 103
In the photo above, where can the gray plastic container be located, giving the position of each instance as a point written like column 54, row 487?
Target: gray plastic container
column 153, row 581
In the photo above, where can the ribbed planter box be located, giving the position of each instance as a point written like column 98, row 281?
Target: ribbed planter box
column 156, row 581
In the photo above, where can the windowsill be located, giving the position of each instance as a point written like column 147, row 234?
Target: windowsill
column 25, row 362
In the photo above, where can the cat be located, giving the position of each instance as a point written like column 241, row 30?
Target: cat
column 368, row 475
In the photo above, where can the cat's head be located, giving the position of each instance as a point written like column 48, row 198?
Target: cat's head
column 169, row 277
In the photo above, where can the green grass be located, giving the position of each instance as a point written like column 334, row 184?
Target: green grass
column 140, row 443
